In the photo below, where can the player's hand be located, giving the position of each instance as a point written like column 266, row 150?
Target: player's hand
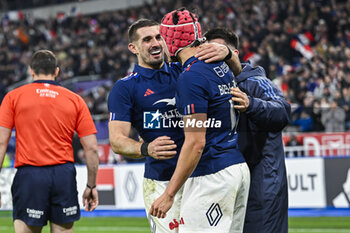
column 162, row 148
column 90, row 199
column 161, row 206
column 240, row 99
column 210, row 52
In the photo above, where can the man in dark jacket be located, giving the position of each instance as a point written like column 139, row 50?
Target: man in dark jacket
column 265, row 114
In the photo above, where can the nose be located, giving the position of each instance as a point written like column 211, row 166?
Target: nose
column 156, row 43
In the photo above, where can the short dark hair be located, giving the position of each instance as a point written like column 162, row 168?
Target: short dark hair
column 139, row 24
column 43, row 62
column 227, row 35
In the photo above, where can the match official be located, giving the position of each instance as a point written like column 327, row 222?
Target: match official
column 45, row 116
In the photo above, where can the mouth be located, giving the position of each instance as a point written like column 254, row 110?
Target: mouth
column 156, row 52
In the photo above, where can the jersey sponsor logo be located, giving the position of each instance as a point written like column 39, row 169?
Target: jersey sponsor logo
column 70, row 210
column 148, row 92
column 214, row 214
column 32, row 213
column 151, row 120
column 175, row 224
column 46, row 93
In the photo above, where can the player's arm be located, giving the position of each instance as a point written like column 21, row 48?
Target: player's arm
column 120, row 141
column 120, row 105
column 211, row 52
column 160, row 148
column 267, row 107
column 90, row 195
column 5, row 134
column 190, row 155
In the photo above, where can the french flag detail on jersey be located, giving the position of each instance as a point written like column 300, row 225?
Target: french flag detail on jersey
column 111, row 116
column 189, row 109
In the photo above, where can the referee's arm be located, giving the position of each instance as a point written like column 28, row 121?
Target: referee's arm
column 5, row 134
column 90, row 196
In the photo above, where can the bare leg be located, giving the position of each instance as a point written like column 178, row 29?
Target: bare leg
column 22, row 227
column 61, row 228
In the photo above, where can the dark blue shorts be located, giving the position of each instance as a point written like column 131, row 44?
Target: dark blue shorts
column 45, row 193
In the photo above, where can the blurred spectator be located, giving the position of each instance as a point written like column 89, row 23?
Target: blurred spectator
column 316, row 115
column 345, row 104
column 333, row 118
column 304, row 122
column 297, row 150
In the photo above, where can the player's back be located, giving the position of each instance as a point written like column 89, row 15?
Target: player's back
column 45, row 116
column 205, row 88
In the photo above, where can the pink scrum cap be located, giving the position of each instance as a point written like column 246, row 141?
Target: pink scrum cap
column 180, row 28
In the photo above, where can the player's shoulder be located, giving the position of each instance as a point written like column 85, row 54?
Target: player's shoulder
column 125, row 86
column 130, row 77
column 127, row 82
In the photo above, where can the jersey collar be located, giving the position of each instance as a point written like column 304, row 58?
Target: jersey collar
column 189, row 63
column 149, row 73
column 47, row 81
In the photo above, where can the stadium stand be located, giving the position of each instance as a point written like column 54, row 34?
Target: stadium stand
column 303, row 45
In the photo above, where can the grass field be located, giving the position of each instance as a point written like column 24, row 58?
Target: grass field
column 140, row 225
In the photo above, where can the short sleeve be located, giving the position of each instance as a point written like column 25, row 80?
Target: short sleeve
column 85, row 124
column 7, row 115
column 119, row 102
column 192, row 93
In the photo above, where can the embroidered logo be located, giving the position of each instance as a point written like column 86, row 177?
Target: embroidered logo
column 214, row 214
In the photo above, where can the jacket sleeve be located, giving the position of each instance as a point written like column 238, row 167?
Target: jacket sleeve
column 268, row 108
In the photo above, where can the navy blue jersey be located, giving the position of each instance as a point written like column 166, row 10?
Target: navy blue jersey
column 146, row 98
column 205, row 88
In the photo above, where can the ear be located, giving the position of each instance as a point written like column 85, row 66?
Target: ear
column 132, row 48
column 31, row 71
column 235, row 51
column 57, row 71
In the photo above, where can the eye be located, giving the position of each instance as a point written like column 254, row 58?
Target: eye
column 158, row 37
column 147, row 39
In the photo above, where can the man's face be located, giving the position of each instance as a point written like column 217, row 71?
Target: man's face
column 148, row 47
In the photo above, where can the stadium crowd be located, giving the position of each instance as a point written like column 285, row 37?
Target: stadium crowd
column 304, row 46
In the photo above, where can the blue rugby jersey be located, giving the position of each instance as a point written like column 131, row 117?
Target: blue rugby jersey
column 146, row 98
column 205, row 88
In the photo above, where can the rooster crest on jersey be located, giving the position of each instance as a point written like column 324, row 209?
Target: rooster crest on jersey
column 180, row 29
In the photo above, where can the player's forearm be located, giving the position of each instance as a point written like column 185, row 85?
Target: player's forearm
column 189, row 157
column 126, row 146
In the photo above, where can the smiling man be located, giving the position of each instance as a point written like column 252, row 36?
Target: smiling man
column 145, row 100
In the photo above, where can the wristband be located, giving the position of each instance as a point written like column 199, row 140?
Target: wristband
column 90, row 186
column 144, row 149
column 229, row 55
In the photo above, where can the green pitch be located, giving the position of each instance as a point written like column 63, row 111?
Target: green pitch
column 140, row 225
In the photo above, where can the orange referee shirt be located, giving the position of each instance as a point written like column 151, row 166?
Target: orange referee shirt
column 45, row 116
